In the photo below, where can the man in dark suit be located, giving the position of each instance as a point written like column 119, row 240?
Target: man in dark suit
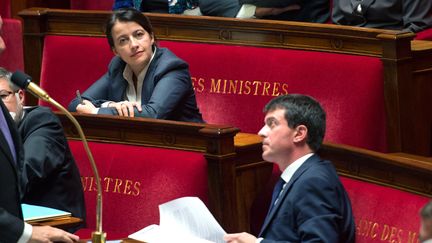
column 12, row 226
column 50, row 176
column 309, row 203
column 293, row 10
column 408, row 15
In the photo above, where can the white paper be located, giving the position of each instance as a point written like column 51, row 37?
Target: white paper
column 185, row 219
column 35, row 213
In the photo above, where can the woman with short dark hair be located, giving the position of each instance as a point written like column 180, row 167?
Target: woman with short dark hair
column 142, row 79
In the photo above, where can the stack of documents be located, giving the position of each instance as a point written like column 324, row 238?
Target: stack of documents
column 33, row 213
column 185, row 219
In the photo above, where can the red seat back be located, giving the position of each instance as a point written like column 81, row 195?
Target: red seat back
column 12, row 58
column 384, row 214
column 135, row 180
column 83, row 61
column 92, row 4
column 233, row 83
column 5, row 8
column 424, row 35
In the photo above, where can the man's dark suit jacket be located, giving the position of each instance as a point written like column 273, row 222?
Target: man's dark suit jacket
column 313, row 207
column 167, row 91
column 411, row 15
column 50, row 175
column 310, row 10
column 11, row 224
column 221, row 8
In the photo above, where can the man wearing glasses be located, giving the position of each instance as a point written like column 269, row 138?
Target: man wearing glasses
column 12, row 226
column 49, row 174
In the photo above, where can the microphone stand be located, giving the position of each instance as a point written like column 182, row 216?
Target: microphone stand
column 98, row 236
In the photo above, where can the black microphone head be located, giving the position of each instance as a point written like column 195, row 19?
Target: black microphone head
column 21, row 79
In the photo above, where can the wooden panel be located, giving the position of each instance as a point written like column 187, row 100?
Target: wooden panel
column 18, row 5
column 398, row 170
column 280, row 34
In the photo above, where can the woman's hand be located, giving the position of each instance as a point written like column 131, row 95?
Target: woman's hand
column 125, row 108
column 86, row 107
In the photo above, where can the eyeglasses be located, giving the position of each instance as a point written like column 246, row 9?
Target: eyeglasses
column 6, row 95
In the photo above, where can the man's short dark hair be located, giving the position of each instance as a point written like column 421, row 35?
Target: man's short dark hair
column 302, row 110
column 6, row 75
column 426, row 211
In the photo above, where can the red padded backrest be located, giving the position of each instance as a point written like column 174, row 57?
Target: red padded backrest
column 233, row 83
column 92, row 4
column 70, row 63
column 12, row 58
column 424, row 35
column 349, row 87
column 5, row 9
column 384, row 214
column 135, row 180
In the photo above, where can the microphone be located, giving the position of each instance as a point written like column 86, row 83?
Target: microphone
column 24, row 81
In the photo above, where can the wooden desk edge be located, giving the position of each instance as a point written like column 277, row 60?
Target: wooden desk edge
column 64, row 222
column 127, row 240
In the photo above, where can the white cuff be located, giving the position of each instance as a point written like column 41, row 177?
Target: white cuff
column 247, row 11
column 26, row 235
column 193, row 12
column 105, row 104
column 259, row 240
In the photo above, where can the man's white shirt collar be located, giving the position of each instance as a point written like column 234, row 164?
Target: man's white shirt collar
column 293, row 167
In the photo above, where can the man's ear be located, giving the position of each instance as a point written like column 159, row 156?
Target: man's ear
column 114, row 51
column 21, row 96
column 300, row 135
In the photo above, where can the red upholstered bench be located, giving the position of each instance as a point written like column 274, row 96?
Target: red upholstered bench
column 77, row 68
column 425, row 35
column 384, row 214
column 135, row 180
column 5, row 8
column 92, row 5
column 233, row 83
column 12, row 58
